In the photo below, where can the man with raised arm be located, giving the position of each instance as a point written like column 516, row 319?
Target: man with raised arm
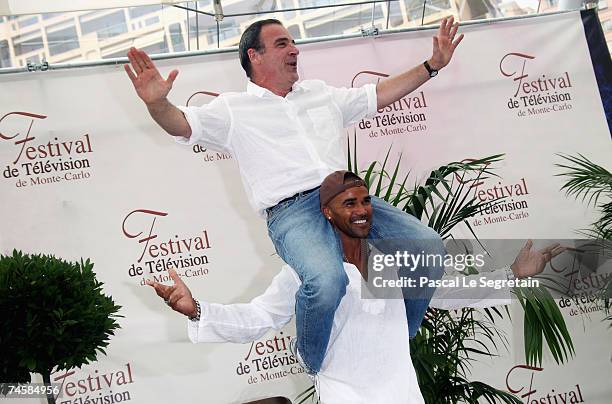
column 368, row 357
column 287, row 137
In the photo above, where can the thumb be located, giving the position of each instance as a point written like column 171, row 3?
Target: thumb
column 436, row 46
column 527, row 246
column 174, row 276
column 172, row 76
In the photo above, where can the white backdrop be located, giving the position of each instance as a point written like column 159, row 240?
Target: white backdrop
column 121, row 175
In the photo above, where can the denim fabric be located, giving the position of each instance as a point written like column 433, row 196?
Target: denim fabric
column 394, row 230
column 306, row 241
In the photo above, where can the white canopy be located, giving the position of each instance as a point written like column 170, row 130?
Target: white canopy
column 17, row 7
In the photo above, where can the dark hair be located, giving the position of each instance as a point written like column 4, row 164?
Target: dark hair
column 350, row 176
column 250, row 40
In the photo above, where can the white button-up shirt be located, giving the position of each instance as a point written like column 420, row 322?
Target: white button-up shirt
column 283, row 145
column 368, row 356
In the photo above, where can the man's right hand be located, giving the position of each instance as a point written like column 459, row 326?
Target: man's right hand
column 149, row 84
column 153, row 90
column 177, row 296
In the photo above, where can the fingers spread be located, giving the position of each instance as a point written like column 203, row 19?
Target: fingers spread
column 457, row 41
column 527, row 246
column 137, row 60
column 443, row 25
column 549, row 248
column 147, row 60
column 453, row 30
column 129, row 72
column 162, row 291
column 557, row 250
column 448, row 23
column 134, row 63
column 172, row 76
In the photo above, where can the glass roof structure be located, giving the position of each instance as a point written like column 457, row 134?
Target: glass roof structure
column 37, row 41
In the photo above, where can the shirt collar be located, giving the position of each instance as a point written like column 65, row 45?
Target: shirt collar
column 260, row 92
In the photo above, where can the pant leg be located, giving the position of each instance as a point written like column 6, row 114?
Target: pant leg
column 309, row 244
column 396, row 231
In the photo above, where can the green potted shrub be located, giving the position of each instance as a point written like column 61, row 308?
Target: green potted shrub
column 55, row 316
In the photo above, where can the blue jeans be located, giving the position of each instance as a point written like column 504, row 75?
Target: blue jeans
column 306, row 241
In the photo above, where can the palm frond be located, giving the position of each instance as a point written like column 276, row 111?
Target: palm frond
column 543, row 319
column 585, row 178
column 448, row 342
column 308, row 394
column 590, row 182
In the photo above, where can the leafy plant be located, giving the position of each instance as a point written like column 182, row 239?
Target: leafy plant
column 543, row 318
column 591, row 183
column 445, row 201
column 55, row 316
column 443, row 350
column 448, row 341
column 606, row 296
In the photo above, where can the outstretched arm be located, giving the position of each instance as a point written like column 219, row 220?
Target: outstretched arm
column 527, row 263
column 241, row 322
column 444, row 43
column 153, row 90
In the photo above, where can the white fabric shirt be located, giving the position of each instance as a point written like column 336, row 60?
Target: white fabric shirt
column 368, row 356
column 283, row 145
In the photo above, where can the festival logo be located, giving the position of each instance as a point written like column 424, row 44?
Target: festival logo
column 407, row 116
column 37, row 160
column 269, row 360
column 160, row 248
column 208, row 156
column 585, row 302
column 95, row 386
column 581, row 278
column 535, row 92
column 521, row 380
column 506, row 200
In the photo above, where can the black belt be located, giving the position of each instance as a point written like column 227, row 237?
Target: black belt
column 299, row 194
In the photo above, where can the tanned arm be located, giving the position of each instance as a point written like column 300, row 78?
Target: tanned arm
column 153, row 90
column 444, row 43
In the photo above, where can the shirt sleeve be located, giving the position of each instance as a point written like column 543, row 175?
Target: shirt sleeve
column 210, row 125
column 451, row 298
column 246, row 322
column 355, row 103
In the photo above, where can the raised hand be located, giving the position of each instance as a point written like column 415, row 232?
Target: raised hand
column 177, row 296
column 445, row 43
column 149, row 84
column 530, row 263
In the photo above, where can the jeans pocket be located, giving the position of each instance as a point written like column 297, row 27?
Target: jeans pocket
column 273, row 214
column 276, row 241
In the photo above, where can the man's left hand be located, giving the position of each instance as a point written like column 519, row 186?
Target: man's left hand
column 530, row 263
column 178, row 296
column 444, row 43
